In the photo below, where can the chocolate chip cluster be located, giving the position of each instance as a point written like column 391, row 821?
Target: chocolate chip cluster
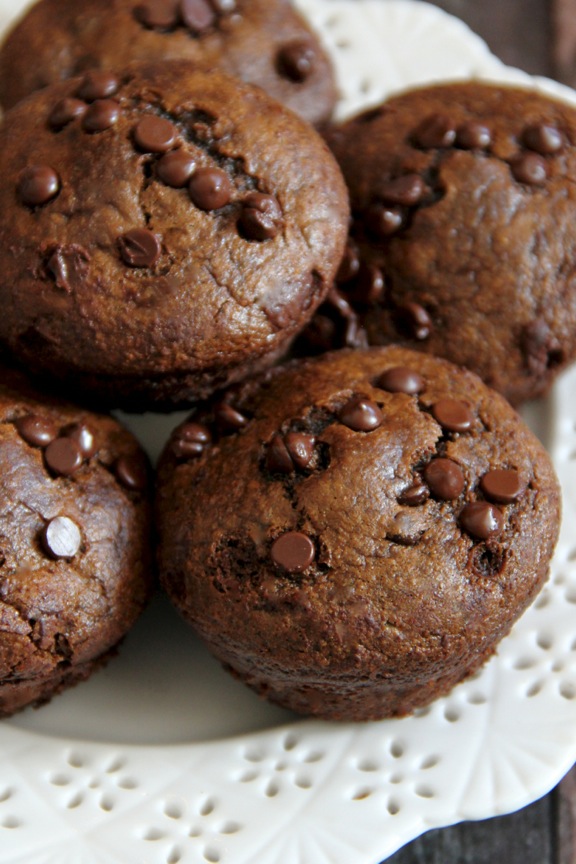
column 196, row 16
column 192, row 439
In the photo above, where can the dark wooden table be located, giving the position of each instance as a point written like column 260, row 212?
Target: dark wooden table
column 540, row 37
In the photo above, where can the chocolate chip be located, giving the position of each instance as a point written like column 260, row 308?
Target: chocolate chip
column 529, row 168
column 300, row 447
column 197, row 15
column 190, row 440
column 261, row 217
column 228, row 419
column 481, row 520
column 407, row 190
column 368, row 287
column 176, row 168
column 65, row 112
column 361, row 415
column 36, row 430
column 400, row 379
column 294, row 552
column 61, row 538
column 278, row 459
column 444, row 479
column 350, row 264
column 503, row 485
column 415, row 495
column 453, row 415
column 543, row 138
column 83, row 436
column 473, row 136
column 155, row 134
column 101, row 115
column 37, row 185
column 139, row 247
column 437, row 130
column 63, row 457
column 224, row 7
column 210, row 188
column 67, row 266
column 97, row 84
column 415, row 319
column 132, row 473
column 382, row 221
column 158, row 14
column 296, row 61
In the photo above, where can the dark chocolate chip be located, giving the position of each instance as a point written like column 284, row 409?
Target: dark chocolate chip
column 97, row 84
column 503, row 485
column 68, row 266
column 61, row 538
column 155, row 134
column 473, row 136
column 368, row 287
column 83, row 436
column 132, row 473
column 101, row 115
column 400, row 379
column 190, row 440
column 437, row 130
column 66, row 111
column 223, row 7
column 294, row 551
column 415, row 319
column 36, row 430
column 63, row 457
column 296, row 61
column 278, row 459
column 382, row 221
column 139, row 247
column 300, row 447
column 228, row 419
column 350, row 264
column 415, row 495
column 406, row 190
column 543, row 138
column 37, row 185
column 176, row 168
column 453, row 415
column 481, row 520
column 158, row 14
column 210, row 188
column 444, row 478
column 261, row 216
column 529, row 168
column 197, row 15
column 361, row 415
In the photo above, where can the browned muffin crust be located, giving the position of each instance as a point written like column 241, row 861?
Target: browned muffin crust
column 167, row 231
column 75, row 569
column 463, row 238
column 352, row 535
column 263, row 42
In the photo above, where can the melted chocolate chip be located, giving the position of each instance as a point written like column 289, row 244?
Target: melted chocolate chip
column 190, row 441
column 503, row 485
column 300, row 447
column 63, row 457
column 407, row 190
column 481, row 520
column 350, row 264
column 84, row 438
column 473, row 136
column 415, row 495
column 437, row 130
column 453, row 415
column 382, row 221
column 139, row 247
column 132, row 473
column 261, row 217
column 529, row 168
column 228, row 419
column 296, row 61
column 67, row 266
column 36, row 430
column 97, row 84
column 37, row 185
column 400, row 379
column 197, row 15
column 444, row 479
column 176, row 168
column 543, row 138
column 368, row 287
column 101, row 115
column 61, row 538
column 361, row 415
column 414, row 319
column 158, row 14
column 155, row 134
column 210, row 189
column 294, row 552
column 65, row 112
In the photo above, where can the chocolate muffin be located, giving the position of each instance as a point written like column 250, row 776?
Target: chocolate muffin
column 167, row 232
column 464, row 229
column 353, row 534
column 74, row 543
column 263, row 42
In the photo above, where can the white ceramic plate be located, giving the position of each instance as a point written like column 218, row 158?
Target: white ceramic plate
column 162, row 758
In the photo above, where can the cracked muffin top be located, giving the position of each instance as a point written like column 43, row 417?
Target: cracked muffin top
column 75, row 568
column 463, row 240
column 167, row 231
column 377, row 521
column 263, row 42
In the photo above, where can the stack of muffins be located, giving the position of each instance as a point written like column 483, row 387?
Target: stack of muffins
column 351, row 533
